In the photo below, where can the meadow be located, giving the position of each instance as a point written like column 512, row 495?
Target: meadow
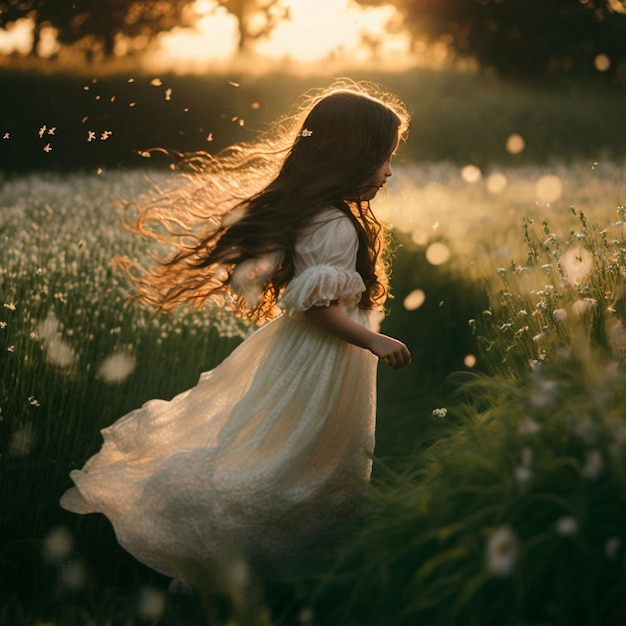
column 498, row 487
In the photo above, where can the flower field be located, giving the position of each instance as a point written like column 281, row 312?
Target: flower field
column 498, row 492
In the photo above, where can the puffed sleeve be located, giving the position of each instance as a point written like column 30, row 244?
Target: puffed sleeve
column 325, row 265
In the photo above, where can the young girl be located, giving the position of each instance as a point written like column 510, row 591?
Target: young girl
column 270, row 451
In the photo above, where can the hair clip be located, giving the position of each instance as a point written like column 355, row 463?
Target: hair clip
column 306, row 132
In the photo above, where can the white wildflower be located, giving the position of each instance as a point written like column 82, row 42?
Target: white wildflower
column 21, row 441
column 564, row 353
column 151, row 603
column 529, row 426
column 584, row 427
column 528, row 456
column 546, row 392
column 442, row 412
column 559, row 315
column 73, row 576
column 593, row 465
column 576, row 264
column 580, row 307
column 612, row 546
column 523, row 474
column 617, row 336
column 501, row 552
column 566, row 526
column 58, row 545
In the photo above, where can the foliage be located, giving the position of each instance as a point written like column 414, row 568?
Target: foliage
column 112, row 120
column 569, row 290
column 522, row 37
column 516, row 516
column 507, row 508
column 77, row 354
column 96, row 24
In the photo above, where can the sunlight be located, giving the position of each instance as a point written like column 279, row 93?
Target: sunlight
column 18, row 38
column 315, row 30
column 321, row 29
column 339, row 31
column 213, row 37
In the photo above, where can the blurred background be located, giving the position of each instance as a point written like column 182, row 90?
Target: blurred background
column 89, row 84
column 502, row 506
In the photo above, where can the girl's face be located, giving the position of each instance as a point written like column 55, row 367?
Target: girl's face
column 378, row 180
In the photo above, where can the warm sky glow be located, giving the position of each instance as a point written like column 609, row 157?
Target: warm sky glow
column 317, row 30
column 17, row 39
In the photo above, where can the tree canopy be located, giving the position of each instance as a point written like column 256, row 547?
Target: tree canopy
column 522, row 37
column 96, row 24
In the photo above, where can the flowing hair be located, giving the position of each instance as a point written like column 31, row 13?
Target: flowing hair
column 234, row 217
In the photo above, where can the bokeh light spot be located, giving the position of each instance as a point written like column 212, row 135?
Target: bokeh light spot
column 471, row 174
column 576, row 264
column 420, row 237
column 602, row 62
column 58, row 545
column 414, row 300
column 549, row 188
column 437, row 253
column 469, row 360
column 496, row 182
column 117, row 367
column 515, row 144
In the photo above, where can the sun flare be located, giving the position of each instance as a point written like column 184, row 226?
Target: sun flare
column 314, row 31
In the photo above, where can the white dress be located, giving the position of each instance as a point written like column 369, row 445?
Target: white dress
column 266, row 454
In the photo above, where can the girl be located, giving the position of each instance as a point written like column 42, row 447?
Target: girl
column 271, row 449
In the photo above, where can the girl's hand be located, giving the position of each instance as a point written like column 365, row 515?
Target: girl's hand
column 391, row 351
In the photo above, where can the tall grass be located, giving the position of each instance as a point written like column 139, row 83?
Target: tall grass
column 76, row 355
column 495, row 499
column 515, row 516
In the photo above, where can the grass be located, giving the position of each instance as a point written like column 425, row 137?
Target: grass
column 526, row 463
column 461, row 117
column 64, row 313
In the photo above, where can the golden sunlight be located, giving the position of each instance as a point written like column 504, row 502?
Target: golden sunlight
column 314, row 30
column 17, row 39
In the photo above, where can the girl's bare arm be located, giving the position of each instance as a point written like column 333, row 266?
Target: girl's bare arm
column 335, row 322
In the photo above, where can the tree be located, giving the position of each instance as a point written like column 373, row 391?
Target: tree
column 255, row 18
column 97, row 24
column 13, row 10
column 521, row 37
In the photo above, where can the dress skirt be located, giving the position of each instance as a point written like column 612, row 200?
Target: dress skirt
column 267, row 456
column 262, row 460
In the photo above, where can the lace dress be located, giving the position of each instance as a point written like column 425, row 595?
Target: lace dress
column 266, row 454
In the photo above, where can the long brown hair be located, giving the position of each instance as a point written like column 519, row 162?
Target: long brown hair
column 251, row 200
